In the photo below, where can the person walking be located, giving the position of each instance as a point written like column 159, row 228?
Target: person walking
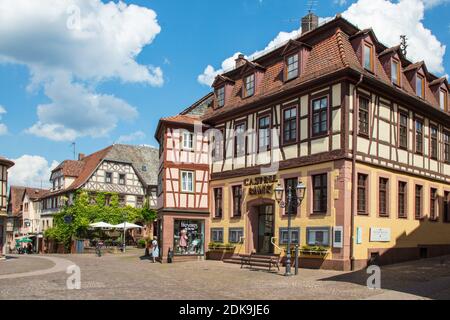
column 155, row 249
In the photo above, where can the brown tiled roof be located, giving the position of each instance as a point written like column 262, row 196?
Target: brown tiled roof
column 413, row 66
column 183, row 119
column 440, row 80
column 70, row 168
column 35, row 193
column 15, row 200
column 6, row 162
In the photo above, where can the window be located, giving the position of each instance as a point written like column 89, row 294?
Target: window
column 368, row 57
column 250, row 85
column 446, row 206
column 419, row 136
column 239, row 140
column 447, row 146
column 122, row 179
column 237, row 201
column 418, row 202
column 402, row 198
column 160, row 184
column 403, row 131
column 122, row 200
column 187, row 181
column 318, row 236
column 433, row 203
column 264, row 133
column 107, row 200
column 320, row 116
column 291, row 183
column 383, row 198
column 235, row 235
column 395, row 72
column 188, row 140
column 188, row 237
column 139, row 202
column 217, row 151
column 290, row 125
column 220, row 96
column 420, row 86
column 144, row 168
column 217, row 235
column 443, row 99
column 434, row 143
column 362, row 193
column 292, row 67
column 295, row 235
column 218, row 203
column 363, row 116
column 320, row 190
column 108, row 177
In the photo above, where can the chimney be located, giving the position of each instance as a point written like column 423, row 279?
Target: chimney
column 309, row 22
column 81, row 156
column 240, row 61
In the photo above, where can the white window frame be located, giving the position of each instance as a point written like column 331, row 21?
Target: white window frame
column 216, row 230
column 185, row 183
column 337, row 243
column 188, row 140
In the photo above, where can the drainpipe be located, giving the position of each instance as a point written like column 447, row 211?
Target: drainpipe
column 354, row 146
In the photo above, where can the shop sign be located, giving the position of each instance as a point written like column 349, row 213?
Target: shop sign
column 261, row 185
column 380, row 234
column 189, row 226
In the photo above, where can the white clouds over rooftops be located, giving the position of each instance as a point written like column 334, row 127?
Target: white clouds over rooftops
column 388, row 19
column 72, row 45
column 31, row 171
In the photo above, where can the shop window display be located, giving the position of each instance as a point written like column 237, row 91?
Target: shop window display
column 189, row 237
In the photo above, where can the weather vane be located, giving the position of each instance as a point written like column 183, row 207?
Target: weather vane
column 403, row 44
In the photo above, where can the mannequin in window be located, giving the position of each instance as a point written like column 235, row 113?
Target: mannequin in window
column 183, row 241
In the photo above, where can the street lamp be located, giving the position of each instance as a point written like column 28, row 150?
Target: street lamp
column 295, row 197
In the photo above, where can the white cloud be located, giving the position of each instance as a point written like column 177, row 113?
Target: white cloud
column 434, row 3
column 3, row 127
column 77, row 112
column 83, row 42
column 390, row 20
column 135, row 136
column 31, row 171
column 209, row 74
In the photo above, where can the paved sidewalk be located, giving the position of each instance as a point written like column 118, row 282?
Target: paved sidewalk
column 130, row 276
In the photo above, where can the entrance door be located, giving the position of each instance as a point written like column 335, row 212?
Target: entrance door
column 265, row 229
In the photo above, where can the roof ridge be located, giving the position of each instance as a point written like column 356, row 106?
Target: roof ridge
column 340, row 44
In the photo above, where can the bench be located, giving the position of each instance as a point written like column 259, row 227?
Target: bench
column 254, row 261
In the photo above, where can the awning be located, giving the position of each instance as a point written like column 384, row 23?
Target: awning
column 127, row 225
column 101, row 225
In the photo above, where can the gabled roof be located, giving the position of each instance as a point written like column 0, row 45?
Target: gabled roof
column 16, row 194
column 294, row 44
column 221, row 79
column 70, row 168
column 137, row 156
column 438, row 81
column 34, row 193
column 251, row 65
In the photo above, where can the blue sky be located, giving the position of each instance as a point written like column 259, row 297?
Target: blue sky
column 186, row 37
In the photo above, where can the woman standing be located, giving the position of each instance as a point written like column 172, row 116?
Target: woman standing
column 155, row 249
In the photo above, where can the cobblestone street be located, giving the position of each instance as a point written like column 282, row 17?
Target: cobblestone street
column 129, row 276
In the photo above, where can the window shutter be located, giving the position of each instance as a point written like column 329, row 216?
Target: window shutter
column 338, row 241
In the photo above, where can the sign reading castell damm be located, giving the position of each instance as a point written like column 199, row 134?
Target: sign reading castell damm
column 261, row 185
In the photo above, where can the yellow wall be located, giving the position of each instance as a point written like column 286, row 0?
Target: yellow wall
column 404, row 232
column 301, row 220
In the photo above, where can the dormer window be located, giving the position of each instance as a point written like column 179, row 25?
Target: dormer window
column 249, row 85
column 443, row 97
column 368, row 57
column 220, row 96
column 395, row 72
column 420, row 86
column 292, row 67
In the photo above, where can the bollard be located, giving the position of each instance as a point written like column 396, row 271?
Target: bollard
column 296, row 259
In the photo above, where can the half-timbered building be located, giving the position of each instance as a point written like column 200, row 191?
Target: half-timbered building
column 4, row 166
column 130, row 171
column 364, row 128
